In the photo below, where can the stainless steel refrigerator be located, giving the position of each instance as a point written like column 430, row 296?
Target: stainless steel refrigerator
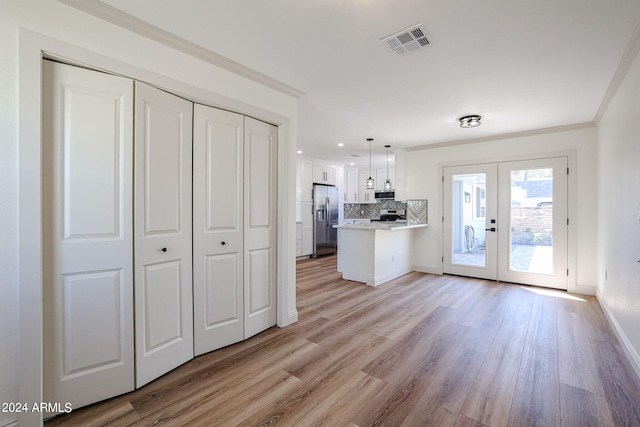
column 325, row 216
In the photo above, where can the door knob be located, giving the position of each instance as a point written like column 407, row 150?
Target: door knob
column 164, row 249
column 493, row 229
column 223, row 243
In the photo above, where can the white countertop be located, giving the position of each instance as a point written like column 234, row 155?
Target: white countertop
column 380, row 225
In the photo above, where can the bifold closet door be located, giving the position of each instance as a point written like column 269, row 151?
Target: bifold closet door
column 162, row 237
column 218, row 207
column 87, row 235
column 260, row 225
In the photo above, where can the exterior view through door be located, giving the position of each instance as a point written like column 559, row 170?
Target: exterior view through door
column 507, row 221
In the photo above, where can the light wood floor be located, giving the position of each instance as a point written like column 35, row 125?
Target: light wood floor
column 421, row 350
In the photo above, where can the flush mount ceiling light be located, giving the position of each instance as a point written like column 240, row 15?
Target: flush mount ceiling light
column 370, row 183
column 387, row 183
column 470, row 121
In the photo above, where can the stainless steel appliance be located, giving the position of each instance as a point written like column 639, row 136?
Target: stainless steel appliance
column 382, row 195
column 325, row 216
column 391, row 215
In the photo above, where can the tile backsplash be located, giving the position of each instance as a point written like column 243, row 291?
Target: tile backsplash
column 370, row 210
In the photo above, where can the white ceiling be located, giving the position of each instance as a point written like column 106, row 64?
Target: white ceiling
column 522, row 65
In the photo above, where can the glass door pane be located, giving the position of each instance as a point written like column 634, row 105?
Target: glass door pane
column 531, row 219
column 469, row 216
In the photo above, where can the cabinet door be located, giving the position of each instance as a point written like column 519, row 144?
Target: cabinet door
column 87, row 226
column 218, row 246
column 351, row 187
column 260, row 221
column 162, row 249
column 319, row 174
column 307, row 228
column 330, row 174
column 364, row 195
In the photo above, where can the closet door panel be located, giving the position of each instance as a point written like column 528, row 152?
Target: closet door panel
column 87, row 234
column 218, row 228
column 261, row 140
column 163, row 260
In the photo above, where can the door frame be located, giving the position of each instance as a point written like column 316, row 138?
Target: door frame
column 33, row 47
column 572, row 186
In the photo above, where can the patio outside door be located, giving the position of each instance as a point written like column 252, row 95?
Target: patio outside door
column 507, row 221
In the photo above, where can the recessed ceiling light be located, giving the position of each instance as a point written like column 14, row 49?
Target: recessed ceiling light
column 299, row 151
column 341, row 145
column 470, row 121
column 351, row 164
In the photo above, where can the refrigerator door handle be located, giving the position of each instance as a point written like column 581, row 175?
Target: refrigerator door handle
column 328, row 205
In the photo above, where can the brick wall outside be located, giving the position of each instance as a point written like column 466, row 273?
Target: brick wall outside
column 532, row 225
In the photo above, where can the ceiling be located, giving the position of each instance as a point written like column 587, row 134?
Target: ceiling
column 522, row 66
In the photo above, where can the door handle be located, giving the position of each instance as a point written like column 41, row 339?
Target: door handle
column 492, row 229
column 223, row 243
column 164, row 249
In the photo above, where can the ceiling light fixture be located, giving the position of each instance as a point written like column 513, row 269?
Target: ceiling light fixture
column 387, row 183
column 470, row 121
column 370, row 183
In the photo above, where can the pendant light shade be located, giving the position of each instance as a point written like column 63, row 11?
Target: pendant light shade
column 370, row 183
column 387, row 183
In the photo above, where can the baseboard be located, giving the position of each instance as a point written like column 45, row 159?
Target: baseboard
column 9, row 422
column 631, row 353
column 585, row 289
column 292, row 317
column 425, row 269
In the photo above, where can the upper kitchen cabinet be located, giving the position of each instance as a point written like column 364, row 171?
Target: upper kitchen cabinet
column 351, row 186
column 324, row 173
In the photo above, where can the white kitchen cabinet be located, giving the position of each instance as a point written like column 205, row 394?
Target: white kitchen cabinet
column 307, row 228
column 381, row 177
column 350, row 186
column 364, row 195
column 324, row 173
column 298, row 239
column 306, row 180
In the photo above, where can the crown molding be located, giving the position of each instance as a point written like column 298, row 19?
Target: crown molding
column 522, row 134
column 129, row 22
column 629, row 56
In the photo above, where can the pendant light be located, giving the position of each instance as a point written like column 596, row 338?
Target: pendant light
column 387, row 183
column 370, row 184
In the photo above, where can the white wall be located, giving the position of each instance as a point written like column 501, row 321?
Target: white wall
column 619, row 210
column 134, row 56
column 424, row 182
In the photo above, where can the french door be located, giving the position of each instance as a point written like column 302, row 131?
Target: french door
column 507, row 221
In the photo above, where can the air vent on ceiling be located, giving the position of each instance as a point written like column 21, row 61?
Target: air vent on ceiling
column 409, row 40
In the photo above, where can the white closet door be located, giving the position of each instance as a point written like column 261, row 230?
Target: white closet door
column 218, row 228
column 163, row 287
column 260, row 198
column 87, row 229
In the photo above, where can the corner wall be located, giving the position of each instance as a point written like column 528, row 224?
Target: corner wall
column 424, row 182
column 619, row 213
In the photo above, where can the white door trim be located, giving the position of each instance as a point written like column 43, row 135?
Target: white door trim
column 32, row 47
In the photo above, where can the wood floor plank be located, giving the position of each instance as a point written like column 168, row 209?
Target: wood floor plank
column 621, row 386
column 580, row 407
column 576, row 362
column 489, row 400
column 536, row 401
column 447, row 391
column 543, row 326
column 399, row 354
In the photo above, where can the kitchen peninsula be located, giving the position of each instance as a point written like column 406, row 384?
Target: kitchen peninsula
column 374, row 253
